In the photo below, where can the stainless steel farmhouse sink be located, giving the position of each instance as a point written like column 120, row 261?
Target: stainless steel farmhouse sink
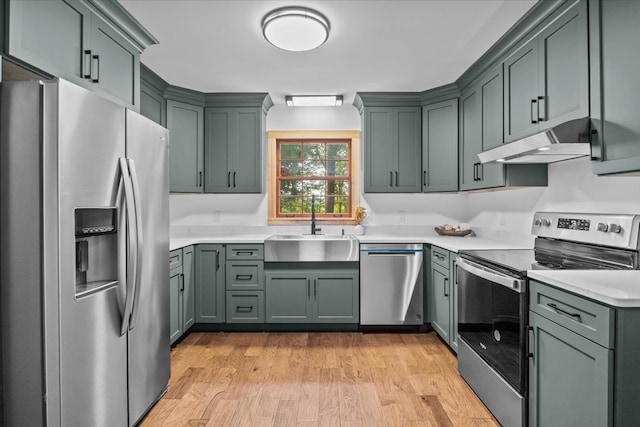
column 311, row 248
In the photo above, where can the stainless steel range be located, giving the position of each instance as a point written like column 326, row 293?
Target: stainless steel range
column 493, row 298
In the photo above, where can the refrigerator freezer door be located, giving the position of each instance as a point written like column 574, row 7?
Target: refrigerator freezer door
column 93, row 354
column 149, row 347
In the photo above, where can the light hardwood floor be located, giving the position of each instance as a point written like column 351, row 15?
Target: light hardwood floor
column 316, row 379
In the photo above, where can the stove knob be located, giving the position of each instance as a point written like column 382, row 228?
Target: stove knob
column 546, row 222
column 615, row 228
column 537, row 221
column 603, row 227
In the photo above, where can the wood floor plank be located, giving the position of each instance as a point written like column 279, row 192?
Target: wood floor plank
column 316, row 379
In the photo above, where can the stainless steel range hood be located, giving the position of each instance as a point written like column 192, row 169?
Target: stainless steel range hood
column 562, row 142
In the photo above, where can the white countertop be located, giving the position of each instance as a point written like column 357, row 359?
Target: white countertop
column 451, row 243
column 614, row 288
column 177, row 242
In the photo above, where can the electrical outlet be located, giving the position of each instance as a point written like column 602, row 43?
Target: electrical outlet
column 217, row 216
column 402, row 215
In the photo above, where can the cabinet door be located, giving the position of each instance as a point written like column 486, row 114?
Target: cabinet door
column 210, row 288
column 288, row 297
column 218, row 129
column 440, row 146
column 521, row 92
column 188, row 293
column 152, row 104
column 570, row 378
column 492, row 123
column 454, row 304
column 408, row 125
column 336, row 297
column 564, row 68
column 615, row 85
column 175, row 303
column 470, row 138
column 440, row 295
column 184, row 122
column 50, row 35
column 379, row 150
column 246, row 151
column 115, row 64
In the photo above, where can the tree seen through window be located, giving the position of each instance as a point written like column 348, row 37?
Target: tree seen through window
column 319, row 168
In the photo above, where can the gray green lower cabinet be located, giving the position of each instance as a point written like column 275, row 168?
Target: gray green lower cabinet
column 210, row 283
column 245, row 307
column 175, row 303
column 583, row 365
column 312, row 293
column 181, row 291
column 245, row 283
column 442, row 295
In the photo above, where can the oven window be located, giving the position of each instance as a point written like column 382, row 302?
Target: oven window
column 492, row 321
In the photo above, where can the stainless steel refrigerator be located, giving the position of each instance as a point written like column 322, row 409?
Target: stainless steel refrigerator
column 84, row 259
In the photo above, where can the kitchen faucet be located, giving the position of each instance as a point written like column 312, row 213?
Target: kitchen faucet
column 314, row 229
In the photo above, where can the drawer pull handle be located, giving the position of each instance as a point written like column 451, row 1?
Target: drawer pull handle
column 566, row 313
column 244, row 276
column 238, row 253
column 440, row 257
column 446, row 282
column 244, row 309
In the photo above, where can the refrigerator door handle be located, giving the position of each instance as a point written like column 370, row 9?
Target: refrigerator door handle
column 131, row 273
column 139, row 243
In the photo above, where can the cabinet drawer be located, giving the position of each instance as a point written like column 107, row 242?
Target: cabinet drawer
column 245, row 251
column 587, row 318
column 440, row 256
column 245, row 275
column 175, row 259
column 245, row 307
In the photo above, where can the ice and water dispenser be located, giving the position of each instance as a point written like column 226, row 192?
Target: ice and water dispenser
column 96, row 249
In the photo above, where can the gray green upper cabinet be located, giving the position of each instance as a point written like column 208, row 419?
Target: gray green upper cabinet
column 392, row 142
column 186, row 142
column 546, row 79
column 94, row 44
column 481, row 128
column 152, row 102
column 615, row 86
column 235, row 132
column 233, row 150
column 440, row 146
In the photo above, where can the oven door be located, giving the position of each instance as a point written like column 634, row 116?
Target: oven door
column 492, row 318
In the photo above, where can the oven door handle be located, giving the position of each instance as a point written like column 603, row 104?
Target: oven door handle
column 491, row 275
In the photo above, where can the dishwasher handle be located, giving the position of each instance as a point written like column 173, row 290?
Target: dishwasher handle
column 397, row 252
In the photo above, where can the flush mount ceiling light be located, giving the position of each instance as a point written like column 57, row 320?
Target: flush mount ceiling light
column 313, row 100
column 295, row 28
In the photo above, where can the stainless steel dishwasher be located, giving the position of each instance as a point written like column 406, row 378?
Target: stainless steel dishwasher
column 391, row 284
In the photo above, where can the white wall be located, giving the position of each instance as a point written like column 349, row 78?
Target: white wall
column 572, row 187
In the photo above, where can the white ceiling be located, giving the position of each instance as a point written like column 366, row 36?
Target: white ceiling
column 386, row 46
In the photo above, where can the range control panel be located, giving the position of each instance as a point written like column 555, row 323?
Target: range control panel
column 574, row 224
column 614, row 230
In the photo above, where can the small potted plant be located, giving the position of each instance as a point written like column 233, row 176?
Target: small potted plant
column 360, row 214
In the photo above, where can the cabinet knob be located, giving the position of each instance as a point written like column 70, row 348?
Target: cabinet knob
column 615, row 228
